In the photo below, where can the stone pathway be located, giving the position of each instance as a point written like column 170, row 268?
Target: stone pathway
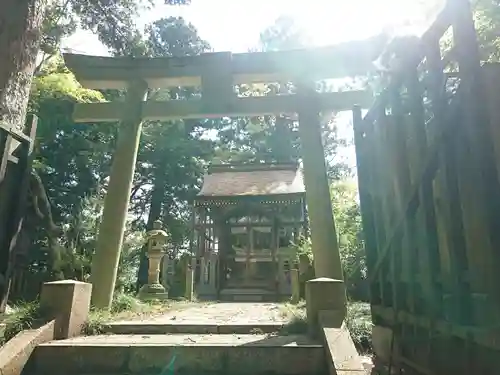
column 231, row 312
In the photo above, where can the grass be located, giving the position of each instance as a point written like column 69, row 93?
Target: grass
column 295, row 314
column 124, row 307
column 25, row 315
column 358, row 320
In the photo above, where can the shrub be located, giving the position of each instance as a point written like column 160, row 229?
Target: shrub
column 359, row 323
column 25, row 316
column 125, row 302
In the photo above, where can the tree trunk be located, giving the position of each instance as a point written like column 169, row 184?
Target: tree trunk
column 20, row 35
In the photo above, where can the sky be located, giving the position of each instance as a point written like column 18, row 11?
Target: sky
column 235, row 25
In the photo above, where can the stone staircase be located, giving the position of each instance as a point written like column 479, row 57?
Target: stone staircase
column 182, row 349
column 231, row 338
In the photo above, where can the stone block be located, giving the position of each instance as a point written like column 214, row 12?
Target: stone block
column 341, row 352
column 188, row 293
column 80, row 359
column 324, row 294
column 15, row 354
column 249, row 328
column 295, row 283
column 382, row 343
column 182, row 354
column 68, row 302
column 291, row 360
column 150, row 292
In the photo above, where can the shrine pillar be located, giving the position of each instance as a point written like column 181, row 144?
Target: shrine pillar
column 323, row 234
column 110, row 236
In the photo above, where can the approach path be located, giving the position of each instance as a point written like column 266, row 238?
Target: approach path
column 220, row 313
column 230, row 312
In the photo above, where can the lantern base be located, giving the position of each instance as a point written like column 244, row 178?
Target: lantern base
column 153, row 291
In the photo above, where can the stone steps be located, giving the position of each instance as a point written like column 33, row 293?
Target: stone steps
column 248, row 294
column 181, row 354
column 158, row 328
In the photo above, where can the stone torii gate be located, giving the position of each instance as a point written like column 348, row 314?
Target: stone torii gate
column 217, row 74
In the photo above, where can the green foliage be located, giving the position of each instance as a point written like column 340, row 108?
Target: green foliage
column 347, row 216
column 303, row 249
column 359, row 323
column 122, row 302
column 25, row 315
column 283, row 35
column 74, row 163
column 126, row 306
column 113, row 21
column 125, row 302
column 297, row 319
column 487, row 21
column 173, row 36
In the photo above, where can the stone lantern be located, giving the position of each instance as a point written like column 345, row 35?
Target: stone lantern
column 156, row 241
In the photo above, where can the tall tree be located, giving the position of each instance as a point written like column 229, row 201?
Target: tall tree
column 70, row 161
column 22, row 26
column 20, row 35
column 171, row 153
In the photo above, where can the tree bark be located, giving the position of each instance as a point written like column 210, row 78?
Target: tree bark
column 20, row 36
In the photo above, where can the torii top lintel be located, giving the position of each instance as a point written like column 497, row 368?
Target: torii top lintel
column 216, row 74
column 342, row 60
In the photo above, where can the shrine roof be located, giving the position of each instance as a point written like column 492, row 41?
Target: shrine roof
column 229, row 180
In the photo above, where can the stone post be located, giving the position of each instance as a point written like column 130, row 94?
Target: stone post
column 323, row 294
column 165, row 269
column 68, row 302
column 188, row 293
column 157, row 239
column 112, row 228
column 323, row 235
column 213, row 272
column 295, row 283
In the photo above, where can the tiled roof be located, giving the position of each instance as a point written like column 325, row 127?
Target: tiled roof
column 252, row 180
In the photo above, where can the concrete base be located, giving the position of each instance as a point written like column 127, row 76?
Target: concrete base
column 249, row 295
column 138, row 354
column 382, row 345
column 67, row 301
column 325, row 294
column 152, row 291
column 207, row 297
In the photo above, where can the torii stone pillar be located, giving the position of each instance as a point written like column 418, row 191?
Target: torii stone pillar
column 323, row 234
column 112, row 228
